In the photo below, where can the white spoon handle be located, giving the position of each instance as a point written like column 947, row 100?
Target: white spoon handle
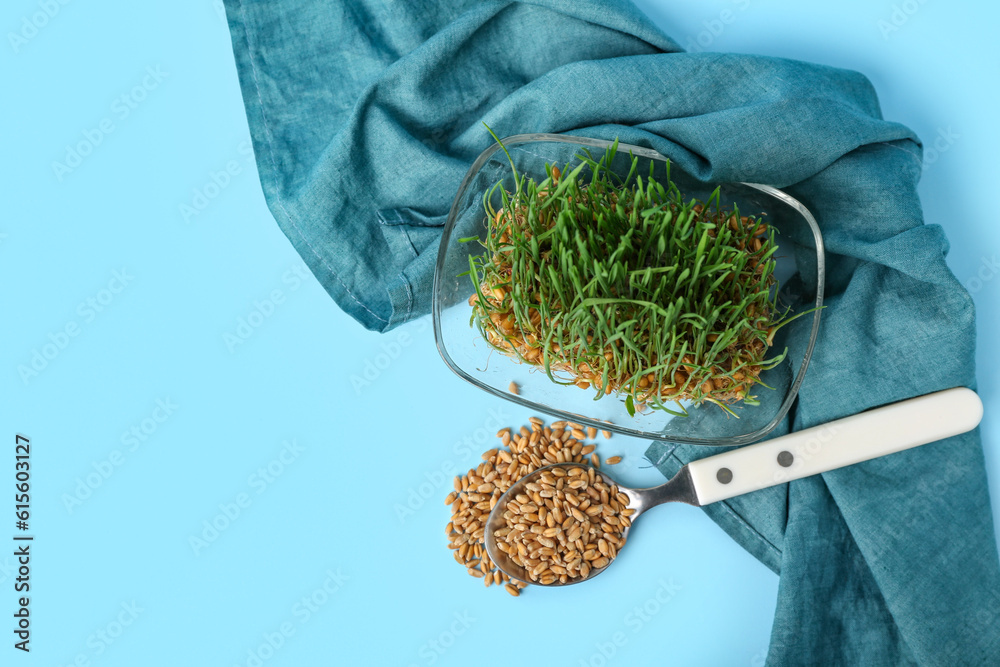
column 867, row 435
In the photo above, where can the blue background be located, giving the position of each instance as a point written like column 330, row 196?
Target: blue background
column 114, row 516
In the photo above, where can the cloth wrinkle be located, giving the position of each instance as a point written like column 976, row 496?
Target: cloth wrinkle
column 278, row 198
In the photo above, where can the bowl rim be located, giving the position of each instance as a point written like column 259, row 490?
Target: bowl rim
column 793, row 391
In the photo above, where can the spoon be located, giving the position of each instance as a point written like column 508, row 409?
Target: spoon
column 843, row 442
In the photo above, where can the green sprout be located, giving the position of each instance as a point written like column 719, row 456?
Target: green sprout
column 622, row 286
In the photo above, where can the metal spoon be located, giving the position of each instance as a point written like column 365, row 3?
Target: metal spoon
column 861, row 437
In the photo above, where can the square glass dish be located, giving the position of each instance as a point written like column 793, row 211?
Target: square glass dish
column 799, row 270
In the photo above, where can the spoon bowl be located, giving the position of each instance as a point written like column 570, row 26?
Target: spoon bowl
column 679, row 489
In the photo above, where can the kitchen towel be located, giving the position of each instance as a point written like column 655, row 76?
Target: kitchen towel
column 366, row 115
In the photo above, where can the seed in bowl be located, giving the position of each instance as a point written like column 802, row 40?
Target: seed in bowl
column 566, row 524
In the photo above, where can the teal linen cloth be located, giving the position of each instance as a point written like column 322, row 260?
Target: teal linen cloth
column 366, row 115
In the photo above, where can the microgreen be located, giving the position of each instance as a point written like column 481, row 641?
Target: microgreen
column 627, row 287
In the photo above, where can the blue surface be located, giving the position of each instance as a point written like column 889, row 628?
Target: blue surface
column 181, row 329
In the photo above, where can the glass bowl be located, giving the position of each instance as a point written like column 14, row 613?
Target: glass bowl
column 800, row 272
